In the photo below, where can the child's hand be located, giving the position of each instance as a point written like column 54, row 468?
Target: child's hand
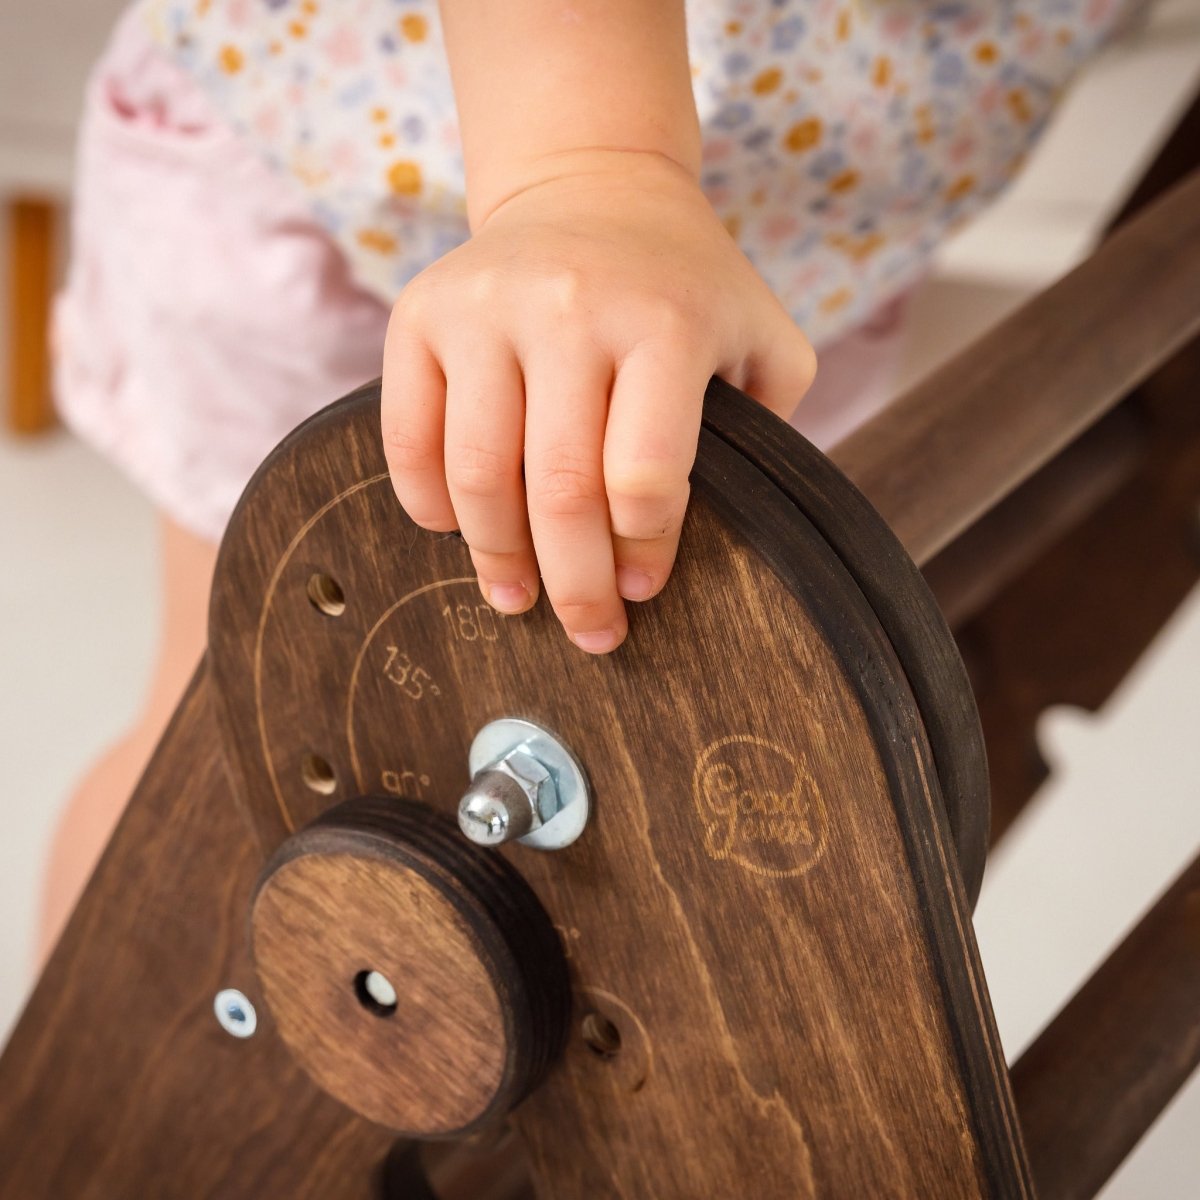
column 574, row 335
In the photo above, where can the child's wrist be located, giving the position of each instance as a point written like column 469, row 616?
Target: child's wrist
column 632, row 163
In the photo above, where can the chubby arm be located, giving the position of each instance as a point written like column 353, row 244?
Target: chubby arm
column 543, row 382
column 538, row 81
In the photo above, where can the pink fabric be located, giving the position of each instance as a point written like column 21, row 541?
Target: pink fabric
column 206, row 314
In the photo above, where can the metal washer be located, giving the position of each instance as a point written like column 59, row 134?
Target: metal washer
column 497, row 738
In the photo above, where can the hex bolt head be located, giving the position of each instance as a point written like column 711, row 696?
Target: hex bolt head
column 525, row 786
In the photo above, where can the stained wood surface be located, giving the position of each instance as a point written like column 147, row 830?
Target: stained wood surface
column 765, row 916
column 898, row 595
column 944, row 453
column 766, row 910
column 118, row 1081
column 30, row 232
column 1096, row 1078
column 392, row 887
column 1028, row 523
column 1068, row 628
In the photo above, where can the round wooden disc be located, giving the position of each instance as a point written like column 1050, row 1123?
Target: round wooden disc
column 415, row 977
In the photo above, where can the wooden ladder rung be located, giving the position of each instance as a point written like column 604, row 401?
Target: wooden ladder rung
column 1101, row 1072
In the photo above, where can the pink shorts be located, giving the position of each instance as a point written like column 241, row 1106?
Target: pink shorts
column 206, row 313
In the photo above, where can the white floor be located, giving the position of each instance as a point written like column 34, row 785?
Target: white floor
column 1121, row 816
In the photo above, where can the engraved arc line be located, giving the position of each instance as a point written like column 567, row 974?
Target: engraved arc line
column 362, row 650
column 268, row 600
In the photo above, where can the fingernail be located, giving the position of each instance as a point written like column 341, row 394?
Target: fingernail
column 634, row 585
column 509, row 597
column 599, row 642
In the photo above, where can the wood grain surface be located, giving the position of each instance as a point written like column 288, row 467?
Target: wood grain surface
column 118, row 1082
column 898, row 594
column 391, row 887
column 1011, row 400
column 774, row 984
column 765, row 917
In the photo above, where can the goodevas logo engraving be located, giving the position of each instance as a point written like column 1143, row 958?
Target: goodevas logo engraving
column 759, row 805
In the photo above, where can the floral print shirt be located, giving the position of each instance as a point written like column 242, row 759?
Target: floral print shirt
column 843, row 139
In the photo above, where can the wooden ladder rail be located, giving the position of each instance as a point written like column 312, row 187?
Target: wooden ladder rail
column 953, row 446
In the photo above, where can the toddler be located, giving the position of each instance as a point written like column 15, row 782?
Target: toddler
column 549, row 222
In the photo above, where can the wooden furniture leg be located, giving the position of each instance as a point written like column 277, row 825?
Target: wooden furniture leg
column 31, row 235
column 1109, row 530
column 1068, row 627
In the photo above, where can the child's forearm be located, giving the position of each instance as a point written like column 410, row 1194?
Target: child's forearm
column 538, row 80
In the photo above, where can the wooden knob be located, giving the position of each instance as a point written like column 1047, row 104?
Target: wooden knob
column 413, row 975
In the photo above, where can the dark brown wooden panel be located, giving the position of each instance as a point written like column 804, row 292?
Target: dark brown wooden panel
column 766, row 909
column 118, row 1082
column 897, row 594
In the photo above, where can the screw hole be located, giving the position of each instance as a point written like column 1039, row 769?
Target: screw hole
column 326, row 595
column 318, row 774
column 375, row 993
column 602, row 1037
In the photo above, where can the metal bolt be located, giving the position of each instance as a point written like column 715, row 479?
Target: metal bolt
column 526, row 786
column 235, row 1013
column 495, row 809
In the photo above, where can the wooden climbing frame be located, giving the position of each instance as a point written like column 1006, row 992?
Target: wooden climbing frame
column 754, row 973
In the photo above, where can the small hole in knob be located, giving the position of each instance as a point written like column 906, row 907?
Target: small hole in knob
column 603, row 1038
column 326, row 595
column 375, row 993
column 318, row 774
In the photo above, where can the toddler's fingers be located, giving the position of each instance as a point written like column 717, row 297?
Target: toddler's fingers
column 781, row 368
column 485, row 433
column 412, row 411
column 649, row 449
column 566, row 399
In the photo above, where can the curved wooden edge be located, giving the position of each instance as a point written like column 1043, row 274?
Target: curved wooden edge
column 897, row 593
column 1097, row 1077
column 264, row 531
column 842, row 609
column 949, row 449
column 875, row 559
